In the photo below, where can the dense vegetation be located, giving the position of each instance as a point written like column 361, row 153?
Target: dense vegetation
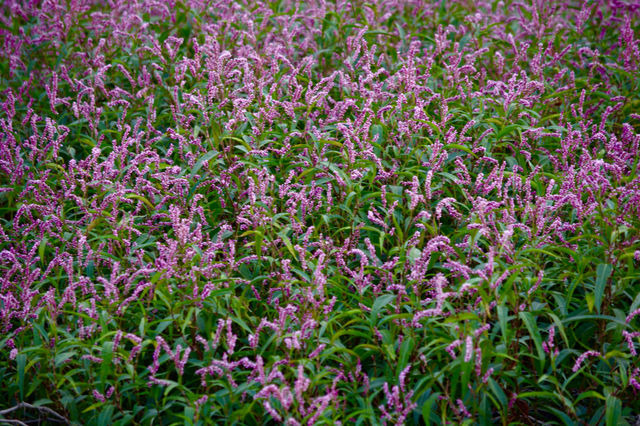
column 312, row 212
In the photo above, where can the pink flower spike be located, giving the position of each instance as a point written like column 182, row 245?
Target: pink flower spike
column 632, row 315
column 581, row 359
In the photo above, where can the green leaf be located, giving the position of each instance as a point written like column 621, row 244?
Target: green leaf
column 63, row 357
column 405, row 352
column 206, row 157
column 537, row 394
column 538, row 250
column 104, row 419
column 189, row 414
column 591, row 300
column 503, row 312
column 413, row 255
column 636, row 303
column 603, row 271
column 506, row 130
column 558, row 324
column 21, row 359
column 380, row 302
column 42, row 248
column 141, row 198
column 105, row 366
column 499, row 393
column 566, row 420
column 287, row 242
column 613, row 410
column 427, row 406
column 461, row 317
column 530, row 323
column 93, row 406
column 466, row 149
column 596, row 317
column 589, row 394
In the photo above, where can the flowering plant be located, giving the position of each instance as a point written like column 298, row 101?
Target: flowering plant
column 319, row 212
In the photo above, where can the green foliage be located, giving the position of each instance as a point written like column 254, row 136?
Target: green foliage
column 258, row 213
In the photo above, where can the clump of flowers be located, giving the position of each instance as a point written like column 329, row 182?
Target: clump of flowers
column 320, row 212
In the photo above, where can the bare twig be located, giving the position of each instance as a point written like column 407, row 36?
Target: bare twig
column 15, row 422
column 47, row 410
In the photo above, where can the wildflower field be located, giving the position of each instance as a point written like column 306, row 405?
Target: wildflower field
column 319, row 212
